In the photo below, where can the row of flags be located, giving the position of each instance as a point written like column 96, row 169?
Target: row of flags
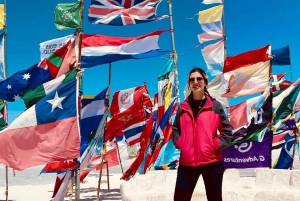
column 114, row 12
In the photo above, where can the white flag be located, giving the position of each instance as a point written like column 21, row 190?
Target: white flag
column 216, row 89
column 48, row 47
column 211, row 1
column 213, row 56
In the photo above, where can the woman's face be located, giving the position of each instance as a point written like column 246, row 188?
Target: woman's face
column 196, row 82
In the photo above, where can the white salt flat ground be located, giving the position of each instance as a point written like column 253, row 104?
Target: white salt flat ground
column 28, row 185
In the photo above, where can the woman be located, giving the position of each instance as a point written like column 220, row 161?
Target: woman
column 195, row 128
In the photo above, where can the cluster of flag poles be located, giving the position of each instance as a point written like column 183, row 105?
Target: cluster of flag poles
column 133, row 113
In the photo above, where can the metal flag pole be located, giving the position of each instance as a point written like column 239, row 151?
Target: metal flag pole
column 225, row 51
column 5, row 76
column 174, row 50
column 79, row 32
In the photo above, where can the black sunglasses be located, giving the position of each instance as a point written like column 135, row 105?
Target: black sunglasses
column 192, row 79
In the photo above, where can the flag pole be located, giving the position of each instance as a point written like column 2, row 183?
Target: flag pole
column 294, row 147
column 225, row 52
column 79, row 31
column 174, row 55
column 290, row 63
column 104, row 146
column 6, row 105
column 109, row 83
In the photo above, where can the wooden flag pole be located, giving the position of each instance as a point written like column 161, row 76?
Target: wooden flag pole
column 71, row 186
column 109, row 82
column 104, row 147
column 294, row 148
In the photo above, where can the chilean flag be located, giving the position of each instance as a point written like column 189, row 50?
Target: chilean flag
column 100, row 49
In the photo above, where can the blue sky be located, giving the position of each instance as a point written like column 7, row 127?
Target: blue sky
column 249, row 25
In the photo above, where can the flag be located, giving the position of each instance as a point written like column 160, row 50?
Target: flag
column 216, row 89
column 61, row 166
column 2, row 14
column 285, row 158
column 210, row 21
column 166, row 87
column 246, row 73
column 278, row 138
column 260, row 117
column 61, row 60
column 167, row 155
column 100, row 49
column 249, row 154
column 145, row 139
column 49, row 46
column 123, row 120
column 61, row 185
column 2, row 53
column 290, row 124
column 127, row 98
column 279, row 83
column 161, row 136
column 240, row 114
column 33, row 95
column 3, row 114
column 281, row 56
column 133, row 132
column 127, row 12
column 211, row 1
column 91, row 116
column 213, row 56
column 13, row 87
column 289, row 104
column 279, row 98
column 111, row 157
column 95, row 147
column 44, row 133
column 67, row 16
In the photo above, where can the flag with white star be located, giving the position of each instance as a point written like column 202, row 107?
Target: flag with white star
column 46, row 132
column 13, row 87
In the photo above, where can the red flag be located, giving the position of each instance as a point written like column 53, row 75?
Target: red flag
column 111, row 157
column 128, row 98
column 246, row 73
column 246, row 59
column 145, row 140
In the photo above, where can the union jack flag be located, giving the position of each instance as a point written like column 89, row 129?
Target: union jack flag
column 123, row 12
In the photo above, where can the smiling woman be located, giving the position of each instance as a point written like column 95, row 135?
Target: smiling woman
column 195, row 128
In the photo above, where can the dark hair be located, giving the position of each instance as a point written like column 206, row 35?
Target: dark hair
column 202, row 72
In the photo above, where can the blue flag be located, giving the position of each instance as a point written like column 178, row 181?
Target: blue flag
column 91, row 116
column 285, row 158
column 13, row 87
column 281, row 56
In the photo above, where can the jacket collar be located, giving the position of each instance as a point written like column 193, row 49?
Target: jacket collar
column 185, row 104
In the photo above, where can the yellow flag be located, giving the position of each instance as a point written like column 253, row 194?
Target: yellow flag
column 168, row 95
column 2, row 19
column 213, row 14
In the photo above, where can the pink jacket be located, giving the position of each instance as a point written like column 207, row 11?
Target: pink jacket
column 197, row 138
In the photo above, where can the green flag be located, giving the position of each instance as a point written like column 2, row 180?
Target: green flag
column 3, row 123
column 67, row 16
column 288, row 105
column 32, row 96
